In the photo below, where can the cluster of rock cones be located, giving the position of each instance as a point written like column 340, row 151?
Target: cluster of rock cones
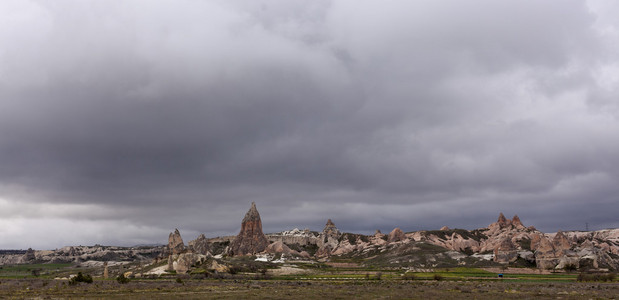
column 505, row 241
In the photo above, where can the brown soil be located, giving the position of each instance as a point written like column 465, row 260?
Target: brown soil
column 282, row 289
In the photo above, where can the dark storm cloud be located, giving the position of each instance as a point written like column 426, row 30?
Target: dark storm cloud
column 152, row 115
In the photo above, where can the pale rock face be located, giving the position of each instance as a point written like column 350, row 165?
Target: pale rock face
column 330, row 230
column 565, row 261
column 218, row 267
column 396, row 235
column 29, row 256
column 545, row 255
column 560, row 242
column 279, row 247
column 535, row 241
column 295, row 236
column 378, row 239
column 324, row 251
column 458, row 243
column 251, row 240
column 502, row 221
column 517, row 223
column 505, row 252
column 171, row 262
column 344, row 247
column 185, row 261
column 444, row 228
column 328, row 240
column 175, row 243
column 200, row 245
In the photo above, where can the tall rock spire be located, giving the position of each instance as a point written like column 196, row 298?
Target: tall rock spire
column 517, row 223
column 175, row 243
column 251, row 239
column 502, row 220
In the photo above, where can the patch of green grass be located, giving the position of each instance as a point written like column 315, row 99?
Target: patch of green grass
column 26, row 270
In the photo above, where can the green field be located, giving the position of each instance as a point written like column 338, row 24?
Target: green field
column 33, row 270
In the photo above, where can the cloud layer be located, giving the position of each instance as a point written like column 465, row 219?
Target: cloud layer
column 128, row 119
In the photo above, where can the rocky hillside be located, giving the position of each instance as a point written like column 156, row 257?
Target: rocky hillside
column 504, row 242
column 88, row 255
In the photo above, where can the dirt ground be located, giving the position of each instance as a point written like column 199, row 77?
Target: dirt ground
column 288, row 289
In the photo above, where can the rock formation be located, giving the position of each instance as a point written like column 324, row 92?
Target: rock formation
column 560, row 243
column 396, row 235
column 444, row 228
column 330, row 230
column 502, row 221
column 29, row 256
column 517, row 223
column 175, row 243
column 250, row 240
column 185, row 262
column 199, row 245
column 279, row 247
column 328, row 239
column 505, row 252
column 106, row 271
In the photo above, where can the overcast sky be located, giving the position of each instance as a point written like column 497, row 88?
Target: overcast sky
column 122, row 120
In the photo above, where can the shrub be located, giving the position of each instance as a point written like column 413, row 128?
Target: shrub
column 596, row 277
column 378, row 276
column 409, row 276
column 122, row 279
column 570, row 268
column 438, row 277
column 80, row 278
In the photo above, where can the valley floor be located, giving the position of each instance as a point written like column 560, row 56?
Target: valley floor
column 34, row 288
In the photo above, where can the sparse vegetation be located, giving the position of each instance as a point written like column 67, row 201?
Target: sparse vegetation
column 596, row 277
column 80, row 278
column 122, row 279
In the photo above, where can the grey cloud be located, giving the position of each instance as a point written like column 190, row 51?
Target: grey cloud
column 164, row 114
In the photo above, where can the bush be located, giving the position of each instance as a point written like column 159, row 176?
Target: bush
column 596, row 277
column 438, row 277
column 80, row 278
column 122, row 279
column 378, row 276
column 570, row 268
column 409, row 276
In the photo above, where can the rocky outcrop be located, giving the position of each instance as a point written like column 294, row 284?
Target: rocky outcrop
column 330, row 230
column 328, row 239
column 200, row 245
column 251, row 239
column 175, row 243
column 295, row 236
column 396, row 235
column 279, row 247
column 560, row 243
column 85, row 254
column 502, row 221
column 186, row 261
column 324, row 251
column 556, row 254
column 29, row 256
column 516, row 222
column 506, row 252
column 444, row 228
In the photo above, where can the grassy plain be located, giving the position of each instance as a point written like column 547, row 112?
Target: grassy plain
column 315, row 282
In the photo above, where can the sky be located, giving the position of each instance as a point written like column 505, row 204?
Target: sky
column 123, row 120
